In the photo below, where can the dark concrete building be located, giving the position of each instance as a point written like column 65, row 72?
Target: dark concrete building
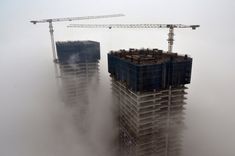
column 149, row 86
column 79, row 65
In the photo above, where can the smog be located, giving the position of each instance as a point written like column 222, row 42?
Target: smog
column 35, row 121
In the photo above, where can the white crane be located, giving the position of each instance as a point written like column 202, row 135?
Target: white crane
column 171, row 28
column 50, row 21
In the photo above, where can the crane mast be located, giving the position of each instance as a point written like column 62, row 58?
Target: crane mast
column 170, row 39
column 171, row 28
column 51, row 30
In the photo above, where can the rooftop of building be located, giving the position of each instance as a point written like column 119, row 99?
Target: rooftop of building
column 78, row 51
column 149, row 69
column 148, row 56
column 71, row 43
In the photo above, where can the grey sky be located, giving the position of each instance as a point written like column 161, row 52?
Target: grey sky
column 27, row 76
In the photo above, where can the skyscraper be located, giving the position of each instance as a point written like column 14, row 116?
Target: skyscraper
column 149, row 86
column 79, row 65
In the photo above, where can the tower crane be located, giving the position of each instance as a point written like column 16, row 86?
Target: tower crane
column 51, row 30
column 51, row 20
column 171, row 28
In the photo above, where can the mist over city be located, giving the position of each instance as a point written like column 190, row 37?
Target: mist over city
column 38, row 118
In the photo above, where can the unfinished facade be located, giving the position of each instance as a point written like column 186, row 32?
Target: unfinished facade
column 150, row 89
column 79, row 65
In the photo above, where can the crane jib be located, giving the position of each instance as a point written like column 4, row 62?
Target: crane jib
column 75, row 18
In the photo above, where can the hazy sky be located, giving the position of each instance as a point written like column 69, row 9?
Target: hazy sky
column 33, row 121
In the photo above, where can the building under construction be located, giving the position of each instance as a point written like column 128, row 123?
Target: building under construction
column 150, row 90
column 79, row 65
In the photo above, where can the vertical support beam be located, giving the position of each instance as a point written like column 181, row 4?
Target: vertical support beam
column 87, row 72
column 51, row 30
column 54, row 52
column 170, row 39
column 168, row 121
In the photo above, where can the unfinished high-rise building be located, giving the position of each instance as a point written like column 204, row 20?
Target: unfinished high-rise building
column 149, row 86
column 79, row 65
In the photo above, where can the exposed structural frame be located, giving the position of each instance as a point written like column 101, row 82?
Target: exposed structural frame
column 171, row 28
column 149, row 86
column 140, row 112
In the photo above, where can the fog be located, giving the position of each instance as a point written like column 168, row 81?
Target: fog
column 35, row 121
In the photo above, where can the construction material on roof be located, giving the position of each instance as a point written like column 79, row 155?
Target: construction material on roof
column 148, row 70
